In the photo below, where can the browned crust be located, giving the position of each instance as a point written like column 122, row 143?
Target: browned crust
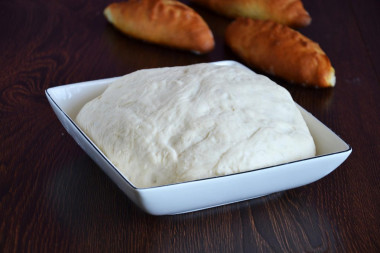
column 288, row 12
column 281, row 51
column 164, row 22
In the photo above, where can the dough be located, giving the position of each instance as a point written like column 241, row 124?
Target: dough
column 169, row 125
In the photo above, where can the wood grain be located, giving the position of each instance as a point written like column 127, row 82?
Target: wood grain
column 54, row 198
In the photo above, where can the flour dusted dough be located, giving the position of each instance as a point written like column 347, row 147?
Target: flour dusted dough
column 169, row 125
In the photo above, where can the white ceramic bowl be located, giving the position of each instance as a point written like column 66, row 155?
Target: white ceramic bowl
column 67, row 100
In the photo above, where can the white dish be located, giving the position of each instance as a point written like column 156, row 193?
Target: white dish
column 66, row 101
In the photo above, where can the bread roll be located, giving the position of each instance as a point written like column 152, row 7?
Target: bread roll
column 287, row 12
column 164, row 22
column 281, row 51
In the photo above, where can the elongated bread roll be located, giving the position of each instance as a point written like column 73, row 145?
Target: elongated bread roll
column 281, row 51
column 164, row 22
column 287, row 12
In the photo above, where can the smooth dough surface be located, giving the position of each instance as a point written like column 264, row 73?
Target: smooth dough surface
column 169, row 125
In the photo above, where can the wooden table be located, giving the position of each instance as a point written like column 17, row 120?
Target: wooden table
column 53, row 197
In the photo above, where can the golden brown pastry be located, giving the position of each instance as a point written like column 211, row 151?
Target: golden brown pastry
column 281, row 51
column 164, row 22
column 287, row 12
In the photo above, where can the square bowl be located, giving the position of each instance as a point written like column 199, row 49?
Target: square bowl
column 67, row 100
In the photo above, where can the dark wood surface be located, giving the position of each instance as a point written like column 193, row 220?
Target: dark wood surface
column 53, row 197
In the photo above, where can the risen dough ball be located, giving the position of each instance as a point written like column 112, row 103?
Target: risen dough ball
column 168, row 125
